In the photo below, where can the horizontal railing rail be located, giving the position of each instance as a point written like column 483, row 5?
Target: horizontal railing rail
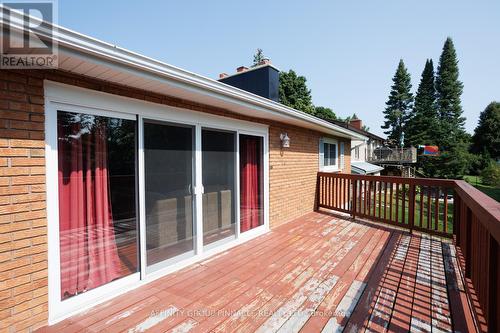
column 386, row 155
column 446, row 208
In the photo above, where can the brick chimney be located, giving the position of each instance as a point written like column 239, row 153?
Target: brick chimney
column 241, row 69
column 223, row 75
column 356, row 123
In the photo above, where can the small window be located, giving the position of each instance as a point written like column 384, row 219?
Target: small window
column 328, row 155
column 356, row 152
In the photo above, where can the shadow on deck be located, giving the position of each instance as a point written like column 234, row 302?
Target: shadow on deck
column 321, row 272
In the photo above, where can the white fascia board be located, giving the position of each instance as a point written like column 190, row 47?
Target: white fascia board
column 82, row 44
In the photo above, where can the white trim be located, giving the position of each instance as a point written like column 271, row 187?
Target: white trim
column 199, row 190
column 69, row 98
column 329, row 168
column 142, row 196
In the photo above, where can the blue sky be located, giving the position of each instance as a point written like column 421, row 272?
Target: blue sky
column 348, row 50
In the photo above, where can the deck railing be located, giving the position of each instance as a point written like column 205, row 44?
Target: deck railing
column 446, row 208
column 393, row 155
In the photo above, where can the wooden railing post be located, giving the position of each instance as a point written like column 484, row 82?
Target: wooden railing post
column 411, row 207
column 354, row 198
column 468, row 247
column 316, row 201
column 456, row 217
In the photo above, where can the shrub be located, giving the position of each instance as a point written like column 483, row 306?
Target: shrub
column 491, row 174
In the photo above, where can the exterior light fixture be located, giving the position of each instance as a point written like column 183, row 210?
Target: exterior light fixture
column 285, row 140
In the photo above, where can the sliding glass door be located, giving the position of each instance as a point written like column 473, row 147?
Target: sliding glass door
column 169, row 176
column 219, row 183
column 138, row 190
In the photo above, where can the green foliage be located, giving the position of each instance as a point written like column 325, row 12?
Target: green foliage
column 293, row 92
column 453, row 163
column 449, row 90
column 324, row 113
column 422, row 127
column 486, row 138
column 258, row 57
column 454, row 160
column 399, row 104
column 478, row 163
column 491, row 174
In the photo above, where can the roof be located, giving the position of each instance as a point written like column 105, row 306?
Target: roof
column 357, row 130
column 364, row 168
column 84, row 55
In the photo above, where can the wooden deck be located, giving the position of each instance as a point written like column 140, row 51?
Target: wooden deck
column 318, row 273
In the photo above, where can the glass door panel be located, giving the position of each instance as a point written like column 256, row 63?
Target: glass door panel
column 251, row 182
column 97, row 200
column 168, row 170
column 219, row 182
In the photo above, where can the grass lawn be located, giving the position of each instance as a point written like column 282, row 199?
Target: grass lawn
column 492, row 191
column 428, row 211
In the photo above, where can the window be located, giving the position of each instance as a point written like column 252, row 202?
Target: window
column 328, row 155
column 356, row 152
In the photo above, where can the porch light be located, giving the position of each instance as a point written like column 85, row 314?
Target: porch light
column 285, row 140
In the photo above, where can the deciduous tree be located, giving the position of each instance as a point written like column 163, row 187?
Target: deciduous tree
column 293, row 92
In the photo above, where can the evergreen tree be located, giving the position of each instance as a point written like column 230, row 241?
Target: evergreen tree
column 423, row 124
column 451, row 137
column 486, row 139
column 258, row 57
column 449, row 89
column 293, row 92
column 399, row 104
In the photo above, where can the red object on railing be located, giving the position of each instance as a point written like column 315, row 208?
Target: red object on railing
column 447, row 208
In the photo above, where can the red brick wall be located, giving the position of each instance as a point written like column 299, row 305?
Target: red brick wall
column 23, row 226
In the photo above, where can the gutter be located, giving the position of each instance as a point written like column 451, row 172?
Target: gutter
column 91, row 46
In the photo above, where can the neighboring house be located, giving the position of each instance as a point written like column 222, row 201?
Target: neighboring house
column 362, row 150
column 117, row 169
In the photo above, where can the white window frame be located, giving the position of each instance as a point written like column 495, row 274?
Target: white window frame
column 328, row 168
column 65, row 97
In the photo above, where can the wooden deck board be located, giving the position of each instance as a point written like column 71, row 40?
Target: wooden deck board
column 321, row 272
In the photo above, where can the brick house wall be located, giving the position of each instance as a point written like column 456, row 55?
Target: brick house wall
column 23, row 224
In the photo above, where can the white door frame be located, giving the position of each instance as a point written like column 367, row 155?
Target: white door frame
column 64, row 97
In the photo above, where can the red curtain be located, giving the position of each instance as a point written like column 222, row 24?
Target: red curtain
column 89, row 255
column 249, row 183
